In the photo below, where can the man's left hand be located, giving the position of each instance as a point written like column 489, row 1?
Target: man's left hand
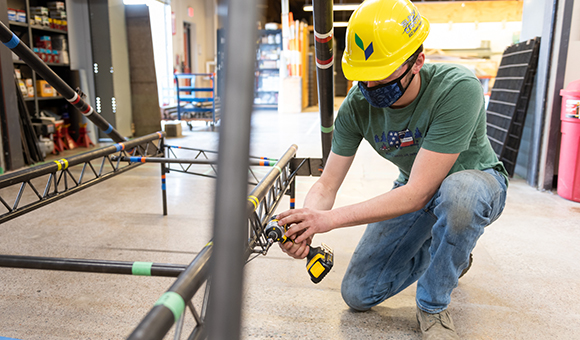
column 306, row 222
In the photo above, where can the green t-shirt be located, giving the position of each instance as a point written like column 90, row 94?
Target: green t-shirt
column 448, row 116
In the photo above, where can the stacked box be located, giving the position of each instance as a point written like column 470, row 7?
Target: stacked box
column 56, row 5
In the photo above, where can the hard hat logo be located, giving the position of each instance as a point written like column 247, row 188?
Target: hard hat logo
column 381, row 35
column 412, row 23
column 368, row 51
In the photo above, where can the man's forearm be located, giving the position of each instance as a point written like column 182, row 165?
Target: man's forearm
column 319, row 197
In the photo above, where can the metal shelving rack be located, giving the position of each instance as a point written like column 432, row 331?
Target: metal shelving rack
column 190, row 104
column 268, row 53
column 26, row 33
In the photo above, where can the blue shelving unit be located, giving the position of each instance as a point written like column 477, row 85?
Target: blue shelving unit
column 196, row 99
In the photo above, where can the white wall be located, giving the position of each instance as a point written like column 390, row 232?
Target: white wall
column 204, row 21
column 572, row 69
column 470, row 35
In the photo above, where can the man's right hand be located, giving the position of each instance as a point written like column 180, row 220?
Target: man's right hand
column 296, row 250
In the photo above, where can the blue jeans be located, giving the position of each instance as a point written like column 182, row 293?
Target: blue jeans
column 431, row 245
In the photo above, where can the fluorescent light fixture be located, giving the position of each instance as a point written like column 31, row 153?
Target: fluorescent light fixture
column 337, row 7
column 340, row 24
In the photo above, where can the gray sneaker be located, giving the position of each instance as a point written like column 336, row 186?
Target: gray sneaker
column 436, row 326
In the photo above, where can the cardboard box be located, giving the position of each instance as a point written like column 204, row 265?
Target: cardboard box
column 43, row 89
column 173, row 129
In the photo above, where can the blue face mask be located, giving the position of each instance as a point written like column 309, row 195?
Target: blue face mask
column 385, row 95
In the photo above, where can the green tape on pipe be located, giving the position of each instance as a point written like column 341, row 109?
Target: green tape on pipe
column 277, row 167
column 142, row 268
column 327, row 129
column 174, row 302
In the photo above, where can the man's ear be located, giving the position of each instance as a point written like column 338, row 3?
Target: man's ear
column 419, row 63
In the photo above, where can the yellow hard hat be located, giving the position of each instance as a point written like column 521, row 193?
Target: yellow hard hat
column 381, row 35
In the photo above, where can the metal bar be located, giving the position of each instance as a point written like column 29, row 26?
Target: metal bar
column 171, row 305
column 259, row 192
column 211, row 151
column 92, row 266
column 323, row 36
column 230, row 217
column 25, row 53
column 163, row 176
column 51, row 167
column 134, row 159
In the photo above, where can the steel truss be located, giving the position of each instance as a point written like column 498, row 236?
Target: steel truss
column 67, row 176
column 170, row 308
column 200, row 156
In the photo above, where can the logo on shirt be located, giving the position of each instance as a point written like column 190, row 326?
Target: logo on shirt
column 398, row 139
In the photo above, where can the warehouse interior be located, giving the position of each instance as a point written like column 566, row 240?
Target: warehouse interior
column 155, row 71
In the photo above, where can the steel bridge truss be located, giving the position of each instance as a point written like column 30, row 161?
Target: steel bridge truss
column 67, row 176
column 170, row 307
column 59, row 179
column 178, row 164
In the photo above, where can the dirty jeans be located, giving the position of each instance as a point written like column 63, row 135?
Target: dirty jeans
column 431, row 245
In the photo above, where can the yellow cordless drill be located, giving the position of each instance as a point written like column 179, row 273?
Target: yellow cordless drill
column 319, row 260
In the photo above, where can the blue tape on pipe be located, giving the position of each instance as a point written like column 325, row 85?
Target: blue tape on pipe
column 163, row 186
column 119, row 147
column 12, row 42
column 109, row 130
column 134, row 159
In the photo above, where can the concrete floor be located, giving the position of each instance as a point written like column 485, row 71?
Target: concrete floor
column 524, row 282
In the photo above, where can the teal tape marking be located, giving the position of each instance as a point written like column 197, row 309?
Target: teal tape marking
column 277, row 167
column 174, row 302
column 327, row 129
column 142, row 268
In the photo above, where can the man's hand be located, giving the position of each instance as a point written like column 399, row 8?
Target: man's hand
column 296, row 250
column 305, row 223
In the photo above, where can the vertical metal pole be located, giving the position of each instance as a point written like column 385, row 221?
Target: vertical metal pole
column 293, row 194
column 163, row 177
column 230, row 212
column 323, row 34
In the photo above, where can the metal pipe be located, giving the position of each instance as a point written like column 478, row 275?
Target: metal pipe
column 323, row 46
column 230, row 217
column 163, row 177
column 25, row 53
column 92, row 266
column 215, row 152
column 64, row 163
column 171, row 305
column 182, row 160
column 258, row 193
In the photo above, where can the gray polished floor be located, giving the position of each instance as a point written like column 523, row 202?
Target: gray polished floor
column 524, row 282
